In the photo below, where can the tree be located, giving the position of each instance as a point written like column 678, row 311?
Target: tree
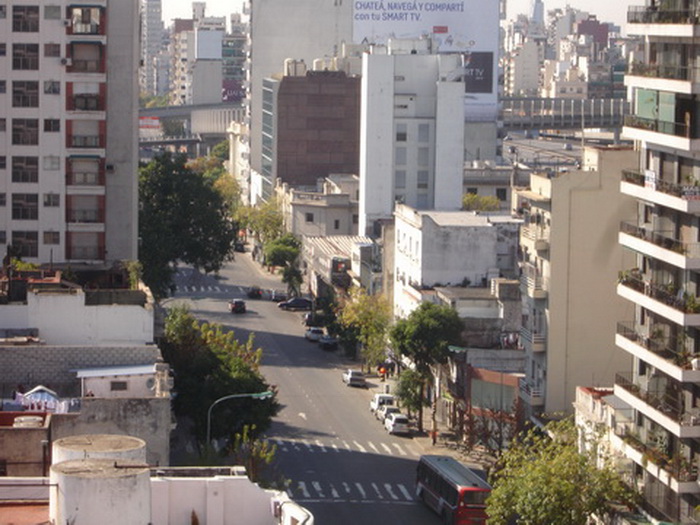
column 408, row 391
column 181, row 218
column 424, row 337
column 265, row 220
column 220, row 151
column 282, row 251
column 474, row 202
column 258, row 458
column 543, row 478
column 370, row 315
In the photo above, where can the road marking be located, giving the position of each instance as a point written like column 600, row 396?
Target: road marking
column 308, row 445
column 346, row 487
column 412, row 451
column 360, row 447
column 388, row 450
column 320, row 445
column 317, row 487
column 335, row 447
column 302, row 415
column 376, row 490
column 398, row 447
column 387, row 487
column 363, row 494
column 302, row 486
column 282, row 445
column 334, row 493
column 371, row 445
column 217, row 288
column 296, row 446
column 406, row 493
column 347, row 445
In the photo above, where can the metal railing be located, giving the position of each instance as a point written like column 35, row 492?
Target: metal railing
column 689, row 249
column 669, row 405
column 660, row 344
column 84, row 216
column 684, row 191
column 667, row 294
column 643, row 14
column 665, row 71
column 677, row 129
column 85, row 141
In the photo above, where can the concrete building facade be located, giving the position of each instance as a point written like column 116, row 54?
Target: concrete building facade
column 68, row 186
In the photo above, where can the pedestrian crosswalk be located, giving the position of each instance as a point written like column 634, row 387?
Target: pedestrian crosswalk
column 187, row 289
column 313, row 491
column 340, row 445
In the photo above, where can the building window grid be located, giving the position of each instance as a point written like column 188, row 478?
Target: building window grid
column 25, row 94
column 25, row 57
column 52, row 237
column 25, row 206
column 25, row 19
column 27, row 243
column 3, row 49
column 52, row 87
column 52, row 125
column 52, row 200
column 25, row 132
column 25, row 169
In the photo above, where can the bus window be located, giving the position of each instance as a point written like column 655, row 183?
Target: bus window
column 475, row 497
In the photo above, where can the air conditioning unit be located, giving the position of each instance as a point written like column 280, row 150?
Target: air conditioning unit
column 67, row 61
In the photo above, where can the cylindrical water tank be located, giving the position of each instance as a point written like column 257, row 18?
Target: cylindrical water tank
column 104, row 491
column 99, row 446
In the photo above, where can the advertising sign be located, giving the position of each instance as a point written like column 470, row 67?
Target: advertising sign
column 457, row 25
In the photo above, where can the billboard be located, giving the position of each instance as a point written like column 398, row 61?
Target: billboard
column 455, row 26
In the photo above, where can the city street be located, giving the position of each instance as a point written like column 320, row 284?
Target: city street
column 345, row 468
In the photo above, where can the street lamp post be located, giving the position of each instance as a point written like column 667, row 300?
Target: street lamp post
column 256, row 395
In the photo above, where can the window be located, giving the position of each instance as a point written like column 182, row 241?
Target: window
column 52, row 200
column 3, row 199
column 472, row 191
column 52, row 12
column 27, row 243
column 3, row 162
column 3, row 49
column 3, row 237
column 25, row 19
column 3, row 86
column 25, row 94
column 309, row 217
column 52, row 163
column 25, row 131
column 52, row 125
column 25, row 56
column 25, row 169
column 3, row 462
column 25, row 206
column 400, row 156
column 52, row 238
column 355, row 218
column 401, row 133
column 423, row 132
column 3, row 11
column 336, row 224
column 422, row 180
column 501, row 194
column 52, row 50
column 52, row 87
column 118, row 386
column 400, row 179
column 423, row 156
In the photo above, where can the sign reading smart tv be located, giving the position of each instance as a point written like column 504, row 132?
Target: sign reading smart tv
column 469, row 27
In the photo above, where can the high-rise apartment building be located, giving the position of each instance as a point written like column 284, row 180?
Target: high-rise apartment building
column 658, row 431
column 68, row 130
column 151, row 44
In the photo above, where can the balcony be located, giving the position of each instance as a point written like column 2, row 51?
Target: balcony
column 84, row 179
column 86, row 66
column 86, row 141
column 85, row 216
column 665, row 410
column 643, row 14
column 680, row 308
column 532, row 341
column 680, row 135
column 538, row 236
column 532, row 396
column 532, row 283
column 646, row 186
column 667, row 72
column 89, row 253
column 659, row 246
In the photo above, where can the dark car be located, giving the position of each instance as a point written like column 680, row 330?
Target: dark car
column 237, row 306
column 278, row 295
column 254, row 292
column 296, row 303
column 328, row 342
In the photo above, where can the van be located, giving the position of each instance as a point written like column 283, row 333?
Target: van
column 380, row 400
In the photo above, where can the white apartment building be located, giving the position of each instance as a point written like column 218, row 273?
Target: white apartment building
column 151, row 44
column 441, row 248
column 569, row 258
column 412, row 131
column 68, row 136
column 523, row 68
column 660, row 331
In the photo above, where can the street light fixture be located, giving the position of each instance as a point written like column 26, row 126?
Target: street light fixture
column 256, row 395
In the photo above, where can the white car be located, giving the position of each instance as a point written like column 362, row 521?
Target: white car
column 380, row 400
column 314, row 334
column 396, row 423
column 354, row 378
column 384, row 411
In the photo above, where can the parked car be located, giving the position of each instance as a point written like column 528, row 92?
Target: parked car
column 314, row 334
column 385, row 411
column 328, row 342
column 379, row 400
column 296, row 303
column 236, row 306
column 354, row 378
column 254, row 292
column 396, row 423
column 567, row 146
column 277, row 295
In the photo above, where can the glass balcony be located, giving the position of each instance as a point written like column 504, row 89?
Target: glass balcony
column 677, row 129
column 668, row 72
column 655, row 15
column 85, row 216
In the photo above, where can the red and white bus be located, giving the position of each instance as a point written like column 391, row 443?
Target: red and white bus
column 457, row 493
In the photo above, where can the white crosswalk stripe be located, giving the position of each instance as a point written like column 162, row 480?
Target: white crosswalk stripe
column 363, row 494
column 335, row 447
column 346, row 487
column 371, row 445
column 406, row 494
column 304, row 490
column 347, row 445
column 360, row 447
column 385, row 447
column 377, row 491
column 334, row 492
column 320, row 445
column 308, row 445
column 390, row 491
column 317, row 487
column 398, row 447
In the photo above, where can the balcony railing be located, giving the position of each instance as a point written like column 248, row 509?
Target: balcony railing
column 667, row 404
column 677, row 129
column 683, row 191
column 84, row 216
column 668, row 348
column 653, row 15
column 689, row 249
column 85, row 29
column 84, row 179
column 86, row 66
column 667, row 294
column 535, row 393
column 85, row 252
column 85, row 141
column 668, row 72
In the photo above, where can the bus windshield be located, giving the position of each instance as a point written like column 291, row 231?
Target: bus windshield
column 474, row 497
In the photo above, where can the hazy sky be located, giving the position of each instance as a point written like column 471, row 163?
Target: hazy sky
column 606, row 10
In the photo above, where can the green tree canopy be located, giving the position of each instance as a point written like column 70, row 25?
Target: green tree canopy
column 220, row 151
column 543, row 479
column 282, row 251
column 370, row 315
column 474, row 202
column 408, row 391
column 265, row 220
column 181, row 218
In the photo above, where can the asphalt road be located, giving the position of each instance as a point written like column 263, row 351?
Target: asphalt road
column 343, row 465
